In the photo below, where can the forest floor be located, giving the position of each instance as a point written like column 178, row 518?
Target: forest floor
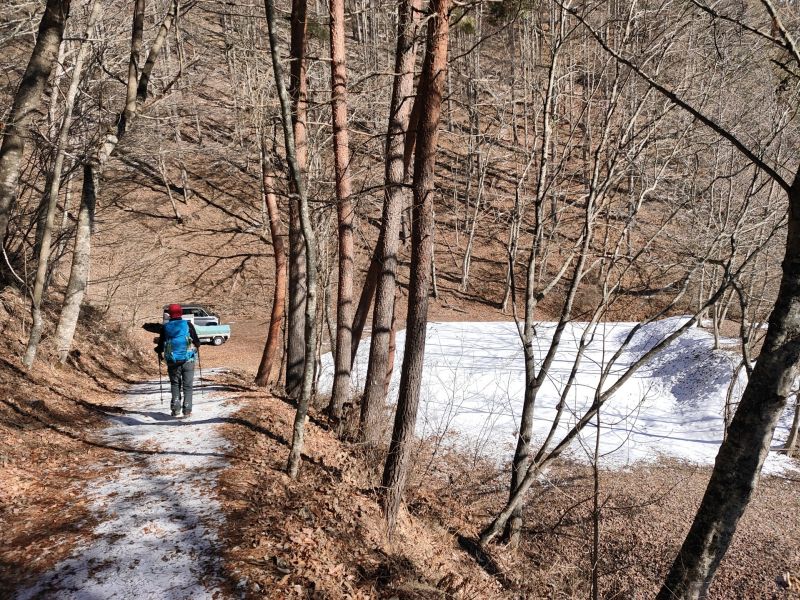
column 323, row 535
column 102, row 494
column 203, row 508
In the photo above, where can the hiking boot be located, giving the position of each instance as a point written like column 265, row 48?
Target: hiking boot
column 186, row 415
column 175, row 413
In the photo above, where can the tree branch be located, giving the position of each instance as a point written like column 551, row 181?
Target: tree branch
column 675, row 99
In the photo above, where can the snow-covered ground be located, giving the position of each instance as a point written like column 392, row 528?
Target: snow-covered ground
column 473, row 385
column 156, row 537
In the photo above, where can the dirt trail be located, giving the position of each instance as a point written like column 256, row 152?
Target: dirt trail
column 157, row 516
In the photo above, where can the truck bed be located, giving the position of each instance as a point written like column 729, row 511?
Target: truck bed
column 208, row 333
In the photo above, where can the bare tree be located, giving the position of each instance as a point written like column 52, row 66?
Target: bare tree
column 296, row 175
column 136, row 95
column 298, row 91
column 54, row 188
column 379, row 368
column 272, row 345
column 344, row 212
column 742, row 453
column 431, row 89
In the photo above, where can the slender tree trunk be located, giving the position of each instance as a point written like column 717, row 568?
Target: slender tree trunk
column 93, row 170
column 273, row 344
column 365, row 301
column 379, row 369
column 533, row 382
column 298, row 429
column 742, row 454
column 791, row 442
column 62, row 228
column 467, row 262
column 54, row 127
column 26, row 101
column 432, row 83
column 54, row 189
column 137, row 40
column 344, row 213
column 298, row 91
column 79, row 273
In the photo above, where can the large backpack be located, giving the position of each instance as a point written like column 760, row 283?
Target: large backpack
column 177, row 341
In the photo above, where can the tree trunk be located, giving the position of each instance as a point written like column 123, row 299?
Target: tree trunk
column 742, row 454
column 298, row 91
column 273, row 344
column 379, row 370
column 26, row 101
column 54, row 189
column 344, row 213
column 365, row 301
column 79, row 273
column 53, row 126
column 791, row 442
column 298, row 429
column 432, row 84
column 137, row 40
column 533, row 382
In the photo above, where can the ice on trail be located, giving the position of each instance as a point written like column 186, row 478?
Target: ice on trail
column 473, row 386
column 156, row 536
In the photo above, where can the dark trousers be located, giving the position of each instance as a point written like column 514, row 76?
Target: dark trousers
column 181, row 375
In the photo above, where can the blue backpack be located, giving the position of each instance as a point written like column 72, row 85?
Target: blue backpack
column 177, row 341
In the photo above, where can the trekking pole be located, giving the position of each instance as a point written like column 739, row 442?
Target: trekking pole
column 200, row 369
column 160, row 382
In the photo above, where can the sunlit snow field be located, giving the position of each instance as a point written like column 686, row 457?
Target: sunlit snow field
column 473, row 385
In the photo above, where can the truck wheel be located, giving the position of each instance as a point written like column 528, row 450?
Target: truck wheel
column 218, row 340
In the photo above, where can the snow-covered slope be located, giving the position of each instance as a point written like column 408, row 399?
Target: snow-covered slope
column 474, row 384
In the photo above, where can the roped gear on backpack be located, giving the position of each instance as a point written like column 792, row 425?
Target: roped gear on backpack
column 178, row 342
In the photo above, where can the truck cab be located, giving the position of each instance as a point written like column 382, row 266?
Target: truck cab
column 198, row 315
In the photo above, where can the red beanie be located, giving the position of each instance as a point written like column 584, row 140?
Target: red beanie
column 175, row 311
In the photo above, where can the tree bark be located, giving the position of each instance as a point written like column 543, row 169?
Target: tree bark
column 53, row 126
column 433, row 80
column 298, row 429
column 742, row 454
column 137, row 40
column 344, row 213
column 298, row 91
column 273, row 343
column 79, row 272
column 365, row 301
column 54, row 189
column 26, row 101
column 379, row 369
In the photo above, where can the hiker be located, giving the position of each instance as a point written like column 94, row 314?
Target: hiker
column 175, row 344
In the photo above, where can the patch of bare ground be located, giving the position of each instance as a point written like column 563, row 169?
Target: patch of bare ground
column 322, row 536
column 47, row 453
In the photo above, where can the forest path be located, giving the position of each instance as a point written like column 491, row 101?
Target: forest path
column 156, row 513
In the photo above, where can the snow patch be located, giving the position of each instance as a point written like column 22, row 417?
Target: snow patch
column 473, row 385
